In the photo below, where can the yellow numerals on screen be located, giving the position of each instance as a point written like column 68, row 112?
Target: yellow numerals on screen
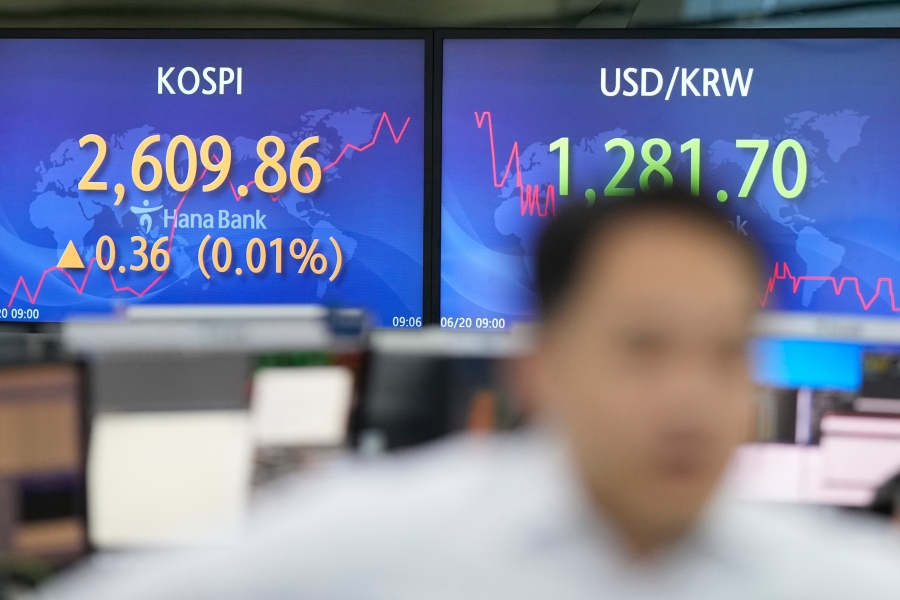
column 270, row 163
column 217, row 162
column 159, row 258
column 180, row 165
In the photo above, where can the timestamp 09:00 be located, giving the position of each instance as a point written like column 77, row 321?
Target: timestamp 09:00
column 20, row 314
column 470, row 323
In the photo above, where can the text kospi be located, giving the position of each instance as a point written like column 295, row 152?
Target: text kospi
column 208, row 80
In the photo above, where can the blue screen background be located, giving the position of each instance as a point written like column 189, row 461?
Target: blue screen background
column 793, row 363
column 54, row 92
column 837, row 98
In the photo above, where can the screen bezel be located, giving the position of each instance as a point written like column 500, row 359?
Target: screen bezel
column 425, row 35
column 815, row 325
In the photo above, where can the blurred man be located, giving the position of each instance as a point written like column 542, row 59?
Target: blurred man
column 641, row 383
column 647, row 307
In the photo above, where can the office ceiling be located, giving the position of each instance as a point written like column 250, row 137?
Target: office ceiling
column 449, row 13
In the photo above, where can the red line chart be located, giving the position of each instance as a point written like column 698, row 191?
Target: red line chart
column 837, row 285
column 382, row 121
column 529, row 203
column 32, row 297
column 529, row 200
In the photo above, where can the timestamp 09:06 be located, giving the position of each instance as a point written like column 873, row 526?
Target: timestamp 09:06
column 20, row 314
column 406, row 321
column 470, row 323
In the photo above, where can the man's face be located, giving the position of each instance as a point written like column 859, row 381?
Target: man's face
column 645, row 369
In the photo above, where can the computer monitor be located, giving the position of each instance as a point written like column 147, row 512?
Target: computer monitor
column 417, row 388
column 42, row 492
column 213, row 167
column 179, row 442
column 792, row 134
column 827, row 427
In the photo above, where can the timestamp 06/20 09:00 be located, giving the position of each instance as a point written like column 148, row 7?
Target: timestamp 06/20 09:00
column 20, row 314
column 470, row 323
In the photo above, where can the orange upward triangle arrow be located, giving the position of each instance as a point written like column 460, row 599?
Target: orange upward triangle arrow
column 70, row 258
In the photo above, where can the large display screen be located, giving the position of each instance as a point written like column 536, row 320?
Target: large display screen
column 794, row 139
column 211, row 171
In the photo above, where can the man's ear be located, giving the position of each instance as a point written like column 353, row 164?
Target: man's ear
column 528, row 378
column 752, row 434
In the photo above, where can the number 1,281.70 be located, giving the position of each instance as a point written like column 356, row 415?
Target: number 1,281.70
column 656, row 153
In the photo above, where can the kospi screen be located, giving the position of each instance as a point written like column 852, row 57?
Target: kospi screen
column 211, row 171
column 794, row 139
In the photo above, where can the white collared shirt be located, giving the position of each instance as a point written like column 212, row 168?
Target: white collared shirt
column 496, row 518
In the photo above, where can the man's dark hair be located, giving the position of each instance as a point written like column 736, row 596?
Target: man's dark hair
column 571, row 235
